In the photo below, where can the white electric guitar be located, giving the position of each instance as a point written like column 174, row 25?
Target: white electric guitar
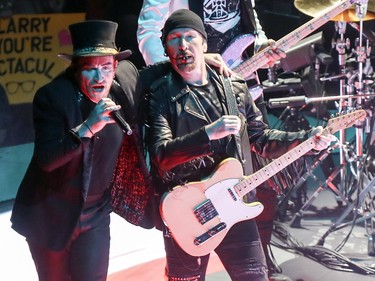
column 233, row 53
column 200, row 214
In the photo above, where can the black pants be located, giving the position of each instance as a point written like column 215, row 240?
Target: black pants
column 85, row 257
column 240, row 252
column 265, row 220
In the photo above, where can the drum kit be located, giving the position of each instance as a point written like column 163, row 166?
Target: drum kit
column 355, row 79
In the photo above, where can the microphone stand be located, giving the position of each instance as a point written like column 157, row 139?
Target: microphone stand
column 272, row 78
column 342, row 45
column 356, row 206
column 303, row 100
column 361, row 10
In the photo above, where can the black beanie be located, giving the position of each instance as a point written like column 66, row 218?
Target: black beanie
column 183, row 18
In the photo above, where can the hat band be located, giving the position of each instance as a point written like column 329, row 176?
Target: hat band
column 95, row 50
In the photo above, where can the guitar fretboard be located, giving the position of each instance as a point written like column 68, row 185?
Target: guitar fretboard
column 334, row 125
column 273, row 168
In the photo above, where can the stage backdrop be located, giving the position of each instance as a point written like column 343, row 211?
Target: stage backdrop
column 29, row 44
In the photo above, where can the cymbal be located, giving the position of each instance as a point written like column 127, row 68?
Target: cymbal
column 314, row 8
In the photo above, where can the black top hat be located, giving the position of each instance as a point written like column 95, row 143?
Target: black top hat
column 94, row 38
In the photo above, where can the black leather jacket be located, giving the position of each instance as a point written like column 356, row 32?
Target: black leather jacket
column 179, row 147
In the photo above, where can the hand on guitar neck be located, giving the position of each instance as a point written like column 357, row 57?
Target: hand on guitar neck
column 273, row 54
column 322, row 139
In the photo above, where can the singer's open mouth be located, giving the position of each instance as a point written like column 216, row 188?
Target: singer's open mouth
column 184, row 59
column 98, row 87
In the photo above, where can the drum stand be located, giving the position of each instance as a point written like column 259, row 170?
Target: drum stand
column 341, row 45
column 356, row 206
column 296, row 221
column 284, row 202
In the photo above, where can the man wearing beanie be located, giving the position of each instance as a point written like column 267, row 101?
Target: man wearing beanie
column 224, row 21
column 202, row 129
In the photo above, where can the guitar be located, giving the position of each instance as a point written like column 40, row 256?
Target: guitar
column 200, row 214
column 232, row 55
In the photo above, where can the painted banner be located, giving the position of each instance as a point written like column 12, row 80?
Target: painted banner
column 29, row 45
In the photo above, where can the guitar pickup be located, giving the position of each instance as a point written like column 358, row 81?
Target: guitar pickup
column 205, row 211
column 210, row 233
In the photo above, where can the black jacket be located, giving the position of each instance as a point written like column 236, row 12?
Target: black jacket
column 179, row 146
column 51, row 195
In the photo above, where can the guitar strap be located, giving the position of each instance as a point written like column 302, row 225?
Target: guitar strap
column 243, row 153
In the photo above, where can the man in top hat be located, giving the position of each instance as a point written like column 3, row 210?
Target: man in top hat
column 196, row 120
column 63, row 204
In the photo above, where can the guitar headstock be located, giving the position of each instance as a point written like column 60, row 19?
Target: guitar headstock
column 344, row 121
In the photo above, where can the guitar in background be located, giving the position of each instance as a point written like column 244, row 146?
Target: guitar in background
column 232, row 55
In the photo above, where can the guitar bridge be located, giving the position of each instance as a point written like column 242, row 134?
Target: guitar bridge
column 205, row 211
column 210, row 233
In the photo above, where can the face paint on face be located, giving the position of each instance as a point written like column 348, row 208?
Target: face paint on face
column 185, row 47
column 95, row 76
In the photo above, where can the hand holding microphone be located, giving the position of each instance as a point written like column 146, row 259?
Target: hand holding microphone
column 106, row 111
column 121, row 121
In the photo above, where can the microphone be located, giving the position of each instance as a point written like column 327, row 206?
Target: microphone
column 284, row 102
column 123, row 124
column 302, row 100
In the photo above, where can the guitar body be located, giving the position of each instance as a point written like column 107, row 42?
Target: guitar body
column 214, row 202
column 232, row 55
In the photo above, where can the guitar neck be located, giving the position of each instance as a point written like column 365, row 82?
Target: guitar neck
column 334, row 125
column 257, row 178
column 250, row 65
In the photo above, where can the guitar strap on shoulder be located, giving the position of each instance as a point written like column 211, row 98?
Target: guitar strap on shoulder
column 244, row 154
